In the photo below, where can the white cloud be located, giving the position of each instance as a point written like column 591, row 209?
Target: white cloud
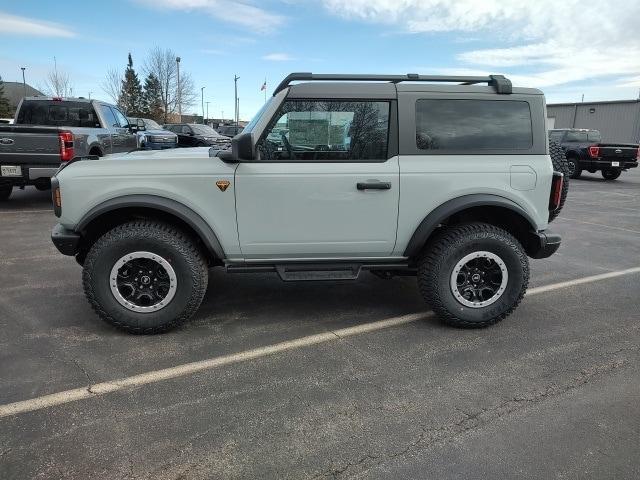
column 554, row 42
column 15, row 25
column 278, row 57
column 241, row 13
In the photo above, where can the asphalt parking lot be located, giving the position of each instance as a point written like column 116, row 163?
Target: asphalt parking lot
column 551, row 392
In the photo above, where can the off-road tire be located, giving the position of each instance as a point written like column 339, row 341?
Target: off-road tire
column 5, row 192
column 610, row 173
column 574, row 165
column 158, row 238
column 436, row 265
column 560, row 164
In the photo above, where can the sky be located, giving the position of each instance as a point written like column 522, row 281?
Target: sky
column 567, row 48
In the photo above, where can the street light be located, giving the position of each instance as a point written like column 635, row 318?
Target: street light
column 235, row 80
column 202, row 96
column 207, row 109
column 24, row 83
column 179, row 95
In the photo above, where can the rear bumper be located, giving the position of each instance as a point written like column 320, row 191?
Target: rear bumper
column 543, row 244
column 29, row 175
column 607, row 163
column 66, row 241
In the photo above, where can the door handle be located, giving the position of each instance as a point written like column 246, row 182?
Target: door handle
column 373, row 185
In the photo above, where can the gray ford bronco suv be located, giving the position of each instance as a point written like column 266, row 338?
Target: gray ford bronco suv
column 439, row 177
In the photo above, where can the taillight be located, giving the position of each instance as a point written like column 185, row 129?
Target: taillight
column 556, row 191
column 66, row 146
column 594, row 151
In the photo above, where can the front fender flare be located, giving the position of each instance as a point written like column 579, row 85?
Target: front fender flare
column 167, row 205
column 444, row 211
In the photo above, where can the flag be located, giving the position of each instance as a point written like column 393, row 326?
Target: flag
column 264, row 86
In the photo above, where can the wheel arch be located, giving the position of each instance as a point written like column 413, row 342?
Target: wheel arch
column 113, row 212
column 493, row 209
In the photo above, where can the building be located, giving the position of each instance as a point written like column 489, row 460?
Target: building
column 617, row 121
column 14, row 91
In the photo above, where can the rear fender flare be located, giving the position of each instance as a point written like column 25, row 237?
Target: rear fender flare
column 451, row 207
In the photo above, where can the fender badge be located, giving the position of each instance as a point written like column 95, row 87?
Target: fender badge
column 223, row 184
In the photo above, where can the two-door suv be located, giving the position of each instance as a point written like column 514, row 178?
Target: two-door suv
column 392, row 174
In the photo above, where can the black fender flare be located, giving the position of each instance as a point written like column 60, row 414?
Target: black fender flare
column 444, row 211
column 167, row 205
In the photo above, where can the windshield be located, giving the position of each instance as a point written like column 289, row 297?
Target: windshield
column 251, row 125
column 151, row 125
column 204, row 130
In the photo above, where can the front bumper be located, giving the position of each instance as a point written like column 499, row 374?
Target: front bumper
column 542, row 244
column 65, row 240
column 159, row 145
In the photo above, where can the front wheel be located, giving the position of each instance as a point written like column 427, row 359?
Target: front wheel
column 473, row 275
column 145, row 277
column 611, row 173
column 573, row 167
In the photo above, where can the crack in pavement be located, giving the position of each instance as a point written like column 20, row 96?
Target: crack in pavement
column 474, row 420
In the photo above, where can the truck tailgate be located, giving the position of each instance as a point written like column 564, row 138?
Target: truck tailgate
column 21, row 145
column 621, row 151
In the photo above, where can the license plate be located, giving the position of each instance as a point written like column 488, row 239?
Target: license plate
column 10, row 171
column 615, row 164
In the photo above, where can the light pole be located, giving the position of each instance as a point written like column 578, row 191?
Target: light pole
column 90, row 95
column 179, row 95
column 24, row 83
column 207, row 110
column 235, row 81
column 202, row 100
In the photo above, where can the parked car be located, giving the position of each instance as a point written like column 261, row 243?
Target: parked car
column 585, row 151
column 451, row 183
column 49, row 130
column 151, row 136
column 229, row 130
column 197, row 135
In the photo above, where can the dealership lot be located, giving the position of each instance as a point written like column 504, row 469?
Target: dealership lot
column 553, row 391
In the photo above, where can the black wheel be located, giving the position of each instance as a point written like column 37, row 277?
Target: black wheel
column 145, row 277
column 5, row 192
column 473, row 275
column 573, row 167
column 560, row 164
column 611, row 173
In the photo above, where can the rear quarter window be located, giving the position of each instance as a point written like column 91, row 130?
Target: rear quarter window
column 473, row 125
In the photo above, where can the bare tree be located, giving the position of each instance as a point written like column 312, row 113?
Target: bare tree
column 58, row 83
column 112, row 85
column 162, row 64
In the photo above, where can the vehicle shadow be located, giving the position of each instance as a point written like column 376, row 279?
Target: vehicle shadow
column 28, row 199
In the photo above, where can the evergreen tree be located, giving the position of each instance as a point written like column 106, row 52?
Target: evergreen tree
column 152, row 99
column 131, row 94
column 5, row 107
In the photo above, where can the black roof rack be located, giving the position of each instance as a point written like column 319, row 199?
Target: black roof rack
column 499, row 82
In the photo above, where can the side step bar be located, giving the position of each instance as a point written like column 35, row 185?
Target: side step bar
column 305, row 272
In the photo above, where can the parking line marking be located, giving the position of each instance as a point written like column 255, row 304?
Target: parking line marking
column 155, row 376
column 599, row 225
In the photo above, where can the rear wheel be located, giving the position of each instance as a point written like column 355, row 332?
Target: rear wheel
column 145, row 277
column 473, row 275
column 5, row 192
column 573, row 167
column 611, row 173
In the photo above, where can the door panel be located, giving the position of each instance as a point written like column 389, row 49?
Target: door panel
column 315, row 209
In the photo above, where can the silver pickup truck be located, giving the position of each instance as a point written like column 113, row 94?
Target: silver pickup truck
column 48, row 131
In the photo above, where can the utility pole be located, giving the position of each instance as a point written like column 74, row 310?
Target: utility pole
column 24, row 83
column 235, row 81
column 179, row 94
column 202, row 100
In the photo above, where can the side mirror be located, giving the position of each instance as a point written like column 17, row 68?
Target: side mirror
column 242, row 146
column 140, row 125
